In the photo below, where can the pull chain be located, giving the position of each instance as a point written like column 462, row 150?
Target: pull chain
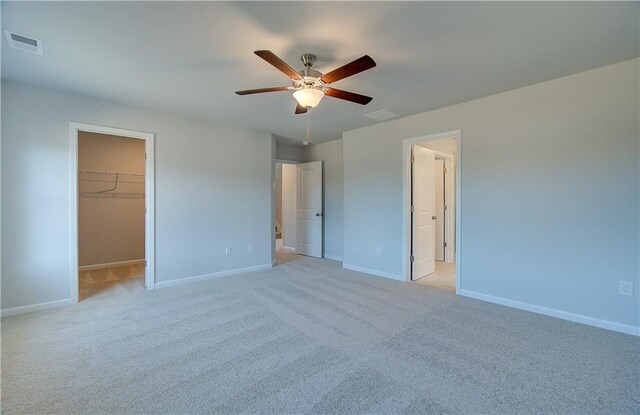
column 308, row 128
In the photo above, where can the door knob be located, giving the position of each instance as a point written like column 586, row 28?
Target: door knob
column 318, row 214
column 434, row 217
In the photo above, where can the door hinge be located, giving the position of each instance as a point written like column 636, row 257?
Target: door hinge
column 445, row 169
column 412, row 159
column 145, row 263
column 445, row 244
column 145, row 156
column 445, row 207
column 411, row 258
column 411, row 209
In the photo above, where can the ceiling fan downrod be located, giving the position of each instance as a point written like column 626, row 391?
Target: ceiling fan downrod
column 307, row 60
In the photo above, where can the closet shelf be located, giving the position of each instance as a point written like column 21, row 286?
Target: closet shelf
column 112, row 173
column 113, row 178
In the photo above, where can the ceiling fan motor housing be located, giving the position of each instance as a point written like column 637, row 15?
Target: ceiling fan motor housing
column 310, row 77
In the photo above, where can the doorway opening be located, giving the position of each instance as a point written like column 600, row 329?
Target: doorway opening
column 112, row 237
column 432, row 210
column 299, row 209
column 286, row 202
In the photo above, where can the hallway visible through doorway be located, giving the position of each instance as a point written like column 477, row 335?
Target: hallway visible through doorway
column 286, row 195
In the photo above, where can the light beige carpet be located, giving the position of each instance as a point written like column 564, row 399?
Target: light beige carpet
column 309, row 337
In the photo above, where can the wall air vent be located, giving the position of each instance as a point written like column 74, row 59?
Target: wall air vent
column 381, row 115
column 22, row 42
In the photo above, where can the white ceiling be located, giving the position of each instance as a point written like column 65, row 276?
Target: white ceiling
column 191, row 57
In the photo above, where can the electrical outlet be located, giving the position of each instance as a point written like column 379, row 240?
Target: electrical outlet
column 250, row 249
column 626, row 288
column 227, row 251
column 378, row 251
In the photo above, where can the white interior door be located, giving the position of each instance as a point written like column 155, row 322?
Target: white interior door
column 309, row 209
column 440, row 222
column 423, row 200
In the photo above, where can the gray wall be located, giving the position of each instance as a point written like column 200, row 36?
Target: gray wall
column 331, row 154
column 110, row 225
column 291, row 153
column 205, row 200
column 550, row 185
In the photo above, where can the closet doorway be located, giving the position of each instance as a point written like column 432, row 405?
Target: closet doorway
column 112, row 235
column 286, row 206
column 432, row 205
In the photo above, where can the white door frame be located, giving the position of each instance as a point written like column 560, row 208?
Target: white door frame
column 406, row 201
column 149, row 189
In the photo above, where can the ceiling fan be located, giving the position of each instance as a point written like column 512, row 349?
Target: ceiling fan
column 309, row 86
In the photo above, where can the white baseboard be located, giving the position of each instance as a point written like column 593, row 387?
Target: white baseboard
column 552, row 312
column 288, row 248
column 35, row 307
column 373, row 272
column 212, row 275
column 111, row 264
column 333, row 257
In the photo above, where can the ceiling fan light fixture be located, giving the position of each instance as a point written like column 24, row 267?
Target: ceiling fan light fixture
column 308, row 97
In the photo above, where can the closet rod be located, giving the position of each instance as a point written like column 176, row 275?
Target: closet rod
column 113, row 173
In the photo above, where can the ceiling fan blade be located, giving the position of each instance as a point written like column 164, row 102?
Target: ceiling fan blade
column 300, row 109
column 352, row 68
column 261, row 90
column 281, row 65
column 348, row 96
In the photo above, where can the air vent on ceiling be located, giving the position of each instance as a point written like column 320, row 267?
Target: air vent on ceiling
column 22, row 42
column 381, row 115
